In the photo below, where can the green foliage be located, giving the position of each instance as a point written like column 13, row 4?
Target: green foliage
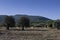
column 49, row 23
column 24, row 22
column 9, row 21
column 57, row 22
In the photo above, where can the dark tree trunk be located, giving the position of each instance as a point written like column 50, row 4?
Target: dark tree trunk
column 7, row 28
column 22, row 27
column 58, row 27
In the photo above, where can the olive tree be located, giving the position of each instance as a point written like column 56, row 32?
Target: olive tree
column 9, row 21
column 24, row 22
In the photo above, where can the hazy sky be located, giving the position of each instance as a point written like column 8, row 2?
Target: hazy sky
column 46, row 8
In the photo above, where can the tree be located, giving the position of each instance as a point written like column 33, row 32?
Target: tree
column 9, row 21
column 50, row 23
column 57, row 24
column 24, row 22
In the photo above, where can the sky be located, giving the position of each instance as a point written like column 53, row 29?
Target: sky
column 45, row 8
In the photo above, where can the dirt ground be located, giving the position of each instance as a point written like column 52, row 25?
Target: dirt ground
column 41, row 34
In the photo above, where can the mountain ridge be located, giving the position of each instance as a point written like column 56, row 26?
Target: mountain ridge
column 31, row 17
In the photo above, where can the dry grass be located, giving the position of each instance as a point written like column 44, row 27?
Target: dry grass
column 30, row 34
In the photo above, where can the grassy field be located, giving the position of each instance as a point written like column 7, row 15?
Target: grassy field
column 30, row 34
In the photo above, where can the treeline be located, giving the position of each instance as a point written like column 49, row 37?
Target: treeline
column 9, row 21
column 48, row 24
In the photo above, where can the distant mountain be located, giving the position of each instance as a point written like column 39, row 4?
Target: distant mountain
column 2, row 18
column 32, row 18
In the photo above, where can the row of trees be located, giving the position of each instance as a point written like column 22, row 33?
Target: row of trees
column 48, row 23
column 53, row 23
column 9, row 21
